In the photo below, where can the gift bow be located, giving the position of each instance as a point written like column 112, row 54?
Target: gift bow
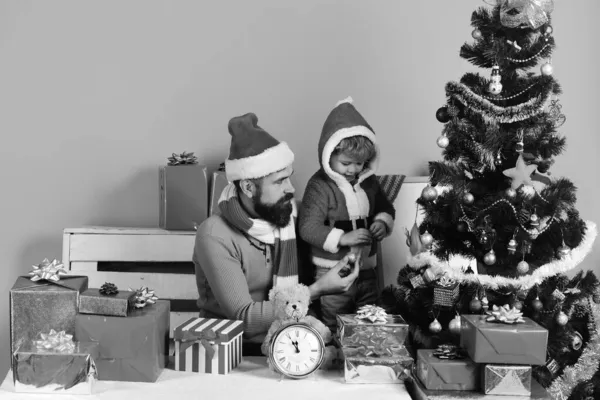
column 183, row 159
column 449, row 352
column 207, row 338
column 445, row 281
column 48, row 271
column 57, row 341
column 505, row 314
column 144, row 296
column 372, row 313
column 515, row 13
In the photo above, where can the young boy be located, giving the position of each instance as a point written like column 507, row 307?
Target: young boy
column 344, row 209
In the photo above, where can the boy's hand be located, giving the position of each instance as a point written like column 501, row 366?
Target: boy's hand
column 356, row 238
column 378, row 230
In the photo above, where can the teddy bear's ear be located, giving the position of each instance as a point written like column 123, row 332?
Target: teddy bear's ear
column 305, row 291
column 272, row 294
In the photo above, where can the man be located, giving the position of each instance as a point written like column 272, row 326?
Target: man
column 250, row 245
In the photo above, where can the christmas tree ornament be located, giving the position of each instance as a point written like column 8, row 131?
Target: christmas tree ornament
column 485, row 303
column 552, row 366
column 498, row 160
column 417, row 281
column 468, row 198
column 514, row 44
column 549, row 30
column 511, row 194
column 443, row 141
column 558, row 295
column 534, row 220
column 453, row 111
column 495, row 87
column 490, row 258
column 429, row 193
column 476, row 34
column 520, row 146
column 517, row 304
column 435, row 326
column 442, row 115
column 547, row 69
column 426, row 239
column 526, row 246
column 483, row 239
column 475, row 305
column 555, row 115
column 562, row 319
column 576, row 341
column 512, row 246
column 522, row 267
column 563, row 251
column 454, row 325
column 520, row 174
column 537, row 305
column 461, row 226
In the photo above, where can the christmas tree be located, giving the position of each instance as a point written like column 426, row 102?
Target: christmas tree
column 492, row 203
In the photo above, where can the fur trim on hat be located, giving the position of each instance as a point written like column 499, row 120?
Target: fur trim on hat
column 269, row 161
column 346, row 100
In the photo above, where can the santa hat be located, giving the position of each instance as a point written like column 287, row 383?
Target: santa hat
column 253, row 152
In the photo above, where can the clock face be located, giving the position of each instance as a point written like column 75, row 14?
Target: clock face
column 297, row 350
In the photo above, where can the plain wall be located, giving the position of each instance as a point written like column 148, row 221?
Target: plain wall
column 94, row 96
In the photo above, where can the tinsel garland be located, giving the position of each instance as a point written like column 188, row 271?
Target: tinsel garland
column 552, row 268
column 493, row 113
column 584, row 369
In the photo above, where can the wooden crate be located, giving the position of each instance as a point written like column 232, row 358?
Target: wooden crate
column 86, row 250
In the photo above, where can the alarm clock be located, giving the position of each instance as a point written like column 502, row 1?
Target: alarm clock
column 297, row 350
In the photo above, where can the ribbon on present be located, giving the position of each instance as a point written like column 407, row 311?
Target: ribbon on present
column 208, row 338
column 59, row 342
column 449, row 352
column 109, row 289
column 143, row 297
column 48, row 271
column 371, row 342
column 183, row 159
column 505, row 315
column 523, row 13
column 372, row 313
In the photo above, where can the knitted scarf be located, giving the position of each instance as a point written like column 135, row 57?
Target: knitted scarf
column 285, row 257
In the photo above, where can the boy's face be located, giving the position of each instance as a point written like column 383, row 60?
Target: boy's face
column 347, row 166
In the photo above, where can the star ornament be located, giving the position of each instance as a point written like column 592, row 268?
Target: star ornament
column 520, row 174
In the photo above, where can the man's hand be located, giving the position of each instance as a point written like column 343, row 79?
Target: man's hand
column 378, row 230
column 356, row 238
column 332, row 282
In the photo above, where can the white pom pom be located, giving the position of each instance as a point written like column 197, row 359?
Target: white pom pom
column 346, row 100
column 527, row 191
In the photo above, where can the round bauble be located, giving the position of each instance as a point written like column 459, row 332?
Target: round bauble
column 429, row 275
column 547, row 69
column 442, row 115
column 563, row 251
column 426, row 238
column 483, row 239
column 468, row 198
column 475, row 305
column 534, row 220
column 429, row 193
column 549, row 30
column 435, row 326
column 517, row 304
column 454, row 326
column 562, row 319
column 537, row 305
column 510, row 194
column 462, row 226
column 476, row 34
column 443, row 141
column 523, row 267
column 495, row 88
column 576, row 341
column 490, row 258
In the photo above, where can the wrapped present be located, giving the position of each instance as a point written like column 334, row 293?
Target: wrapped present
column 447, row 370
column 219, row 181
column 207, row 345
column 47, row 299
column 495, row 342
column 362, row 368
column 55, row 364
column 507, row 380
column 445, row 292
column 106, row 302
column 183, row 196
column 133, row 348
column 371, row 326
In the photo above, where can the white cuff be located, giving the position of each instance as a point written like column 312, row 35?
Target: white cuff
column 332, row 243
column 387, row 219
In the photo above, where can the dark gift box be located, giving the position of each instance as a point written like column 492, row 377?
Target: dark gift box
column 497, row 343
column 49, row 371
column 133, row 348
column 218, row 183
column 447, row 374
column 183, row 196
column 507, row 380
column 93, row 302
column 43, row 305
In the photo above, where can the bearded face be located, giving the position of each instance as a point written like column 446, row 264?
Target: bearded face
column 278, row 213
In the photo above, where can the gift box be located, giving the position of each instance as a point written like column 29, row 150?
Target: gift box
column 183, row 196
column 390, row 331
column 445, row 295
column 437, row 373
column 207, row 345
column 133, row 348
column 497, row 343
column 218, row 183
column 507, row 380
column 93, row 302
column 38, row 306
column 359, row 367
column 41, row 370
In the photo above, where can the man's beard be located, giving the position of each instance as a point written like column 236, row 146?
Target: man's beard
column 279, row 213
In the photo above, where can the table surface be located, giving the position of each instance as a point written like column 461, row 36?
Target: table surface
column 250, row 380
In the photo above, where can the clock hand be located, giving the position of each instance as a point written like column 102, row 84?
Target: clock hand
column 295, row 343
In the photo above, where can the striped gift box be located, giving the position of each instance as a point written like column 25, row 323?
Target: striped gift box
column 193, row 356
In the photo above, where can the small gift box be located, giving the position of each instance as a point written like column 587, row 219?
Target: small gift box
column 219, row 182
column 507, row 380
column 107, row 300
column 47, row 299
column 371, row 326
column 496, row 342
column 451, row 370
column 212, row 346
column 362, row 368
column 134, row 348
column 55, row 364
column 445, row 292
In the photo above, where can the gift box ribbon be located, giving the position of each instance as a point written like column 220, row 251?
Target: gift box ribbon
column 47, row 271
column 371, row 313
column 59, row 342
column 208, row 338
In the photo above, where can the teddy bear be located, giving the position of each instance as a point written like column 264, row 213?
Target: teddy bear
column 291, row 306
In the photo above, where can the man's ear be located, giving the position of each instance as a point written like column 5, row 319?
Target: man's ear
column 248, row 187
